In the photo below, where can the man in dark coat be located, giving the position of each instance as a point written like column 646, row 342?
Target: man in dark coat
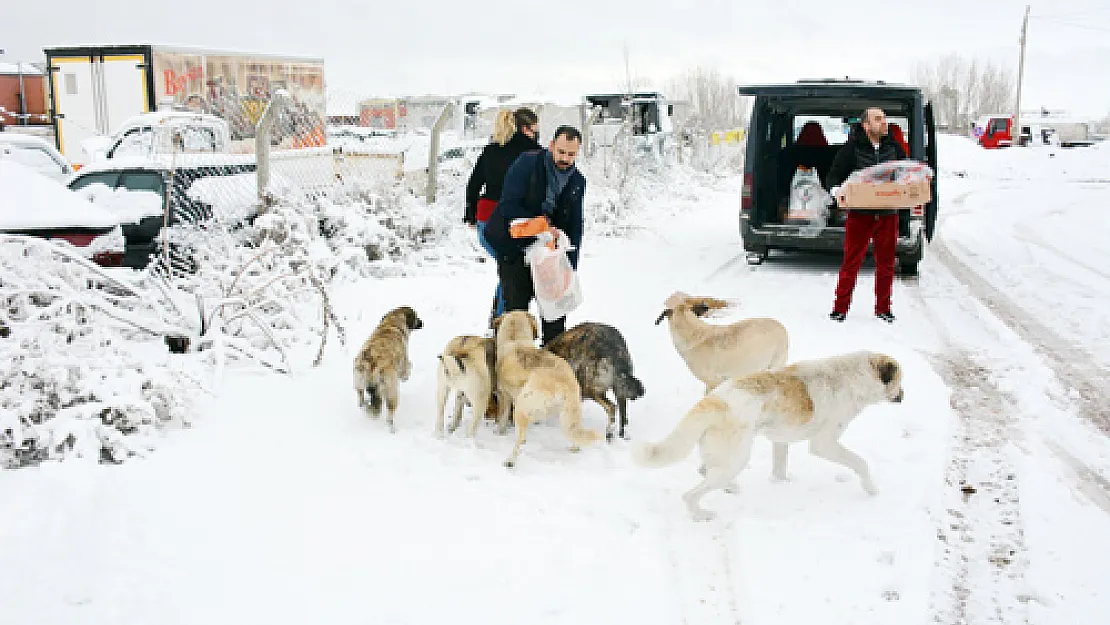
column 545, row 189
column 869, row 144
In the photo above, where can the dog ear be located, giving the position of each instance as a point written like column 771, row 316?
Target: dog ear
column 535, row 327
column 497, row 322
column 411, row 320
column 886, row 368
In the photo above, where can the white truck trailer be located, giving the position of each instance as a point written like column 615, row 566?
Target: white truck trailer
column 94, row 89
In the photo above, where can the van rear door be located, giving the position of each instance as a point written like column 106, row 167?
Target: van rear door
column 931, row 158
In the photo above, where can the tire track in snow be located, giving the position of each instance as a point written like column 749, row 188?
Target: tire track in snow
column 1075, row 369
column 700, row 556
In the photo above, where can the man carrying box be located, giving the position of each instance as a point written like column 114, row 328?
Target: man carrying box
column 869, row 144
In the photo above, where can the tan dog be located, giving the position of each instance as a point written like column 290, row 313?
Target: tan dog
column 466, row 366
column 383, row 362
column 716, row 352
column 537, row 383
column 813, row 400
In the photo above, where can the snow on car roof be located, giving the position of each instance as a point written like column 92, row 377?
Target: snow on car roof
column 31, row 201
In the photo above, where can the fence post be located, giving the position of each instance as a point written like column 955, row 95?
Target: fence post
column 433, row 152
column 262, row 146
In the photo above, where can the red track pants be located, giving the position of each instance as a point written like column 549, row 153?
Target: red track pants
column 860, row 229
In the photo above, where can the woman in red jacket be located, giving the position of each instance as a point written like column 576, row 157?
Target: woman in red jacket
column 514, row 132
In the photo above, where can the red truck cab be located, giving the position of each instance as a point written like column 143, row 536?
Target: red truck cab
column 995, row 131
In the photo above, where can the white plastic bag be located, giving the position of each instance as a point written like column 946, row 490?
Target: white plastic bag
column 554, row 280
column 809, row 202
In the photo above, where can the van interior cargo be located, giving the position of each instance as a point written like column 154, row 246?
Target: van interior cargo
column 808, row 133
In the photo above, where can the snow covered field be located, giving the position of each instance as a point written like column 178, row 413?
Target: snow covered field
column 284, row 504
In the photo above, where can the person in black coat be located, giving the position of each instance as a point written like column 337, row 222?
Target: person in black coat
column 541, row 185
column 514, row 133
column 869, row 144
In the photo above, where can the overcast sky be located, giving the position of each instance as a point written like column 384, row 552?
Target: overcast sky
column 573, row 47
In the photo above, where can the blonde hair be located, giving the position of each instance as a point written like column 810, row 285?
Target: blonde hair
column 503, row 127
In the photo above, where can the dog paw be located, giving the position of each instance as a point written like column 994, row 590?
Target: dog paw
column 509, row 463
column 781, row 477
column 608, row 437
column 703, row 515
column 870, row 488
column 438, row 434
column 732, row 488
column 574, row 449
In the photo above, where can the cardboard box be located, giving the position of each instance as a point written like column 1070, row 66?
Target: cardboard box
column 884, row 194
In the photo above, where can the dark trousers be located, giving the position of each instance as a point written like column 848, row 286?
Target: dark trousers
column 863, row 228
column 517, row 292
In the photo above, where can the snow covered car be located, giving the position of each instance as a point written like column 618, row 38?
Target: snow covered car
column 33, row 205
column 777, row 148
column 36, row 153
column 164, row 132
column 143, row 218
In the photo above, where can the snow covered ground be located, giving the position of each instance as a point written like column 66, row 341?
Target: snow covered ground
column 284, row 504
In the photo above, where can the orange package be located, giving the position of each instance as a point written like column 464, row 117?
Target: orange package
column 533, row 227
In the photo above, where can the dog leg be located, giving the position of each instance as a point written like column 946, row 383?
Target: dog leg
column 611, row 411
column 833, row 451
column 391, row 392
column 622, row 409
column 406, row 369
column 478, row 407
column 521, row 426
column 506, row 406
column 715, row 478
column 441, row 403
column 456, row 419
column 361, row 397
column 778, row 460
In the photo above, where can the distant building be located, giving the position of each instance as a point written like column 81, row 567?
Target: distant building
column 33, row 92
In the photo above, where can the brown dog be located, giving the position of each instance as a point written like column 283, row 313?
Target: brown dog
column 717, row 352
column 537, row 383
column 466, row 366
column 383, row 362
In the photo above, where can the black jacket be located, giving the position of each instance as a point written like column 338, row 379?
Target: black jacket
column 523, row 196
column 490, row 171
column 859, row 153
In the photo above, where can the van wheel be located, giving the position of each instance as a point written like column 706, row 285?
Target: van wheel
column 908, row 267
column 757, row 257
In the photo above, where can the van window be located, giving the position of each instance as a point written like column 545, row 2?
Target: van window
column 135, row 142
column 997, row 126
column 142, row 181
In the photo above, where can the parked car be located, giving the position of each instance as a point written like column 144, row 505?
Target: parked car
column 164, row 132
column 774, row 153
column 34, row 205
column 36, row 153
column 155, row 177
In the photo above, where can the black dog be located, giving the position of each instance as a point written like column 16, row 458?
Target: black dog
column 601, row 361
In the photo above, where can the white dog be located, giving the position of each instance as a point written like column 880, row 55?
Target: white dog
column 811, row 400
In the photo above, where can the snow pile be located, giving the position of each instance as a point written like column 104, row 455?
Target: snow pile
column 963, row 158
column 30, row 200
column 128, row 206
column 81, row 372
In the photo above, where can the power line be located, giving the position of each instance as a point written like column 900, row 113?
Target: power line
column 1082, row 12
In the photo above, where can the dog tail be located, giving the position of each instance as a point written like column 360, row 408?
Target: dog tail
column 452, row 365
column 707, row 413
column 627, row 386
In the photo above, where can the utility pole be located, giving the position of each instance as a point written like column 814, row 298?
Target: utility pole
column 1021, row 75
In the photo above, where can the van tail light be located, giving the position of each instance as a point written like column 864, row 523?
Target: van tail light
column 746, row 193
column 917, row 211
column 108, row 259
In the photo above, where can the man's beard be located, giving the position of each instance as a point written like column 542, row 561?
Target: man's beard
column 562, row 165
